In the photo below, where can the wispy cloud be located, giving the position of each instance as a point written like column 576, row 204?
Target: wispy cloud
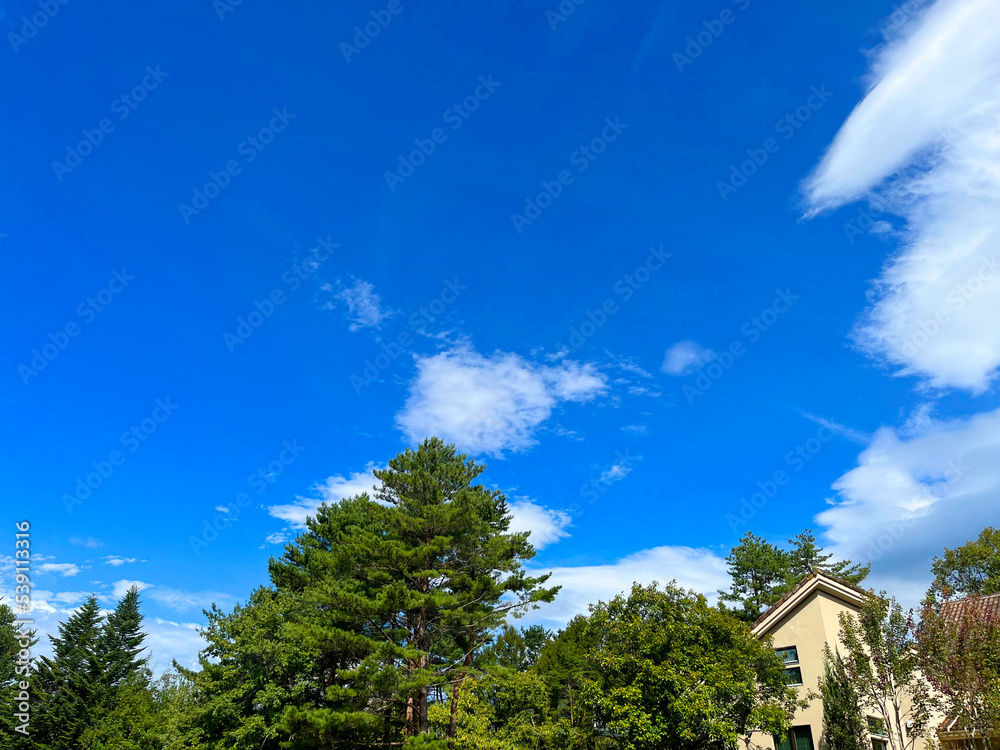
column 855, row 436
column 63, row 569
column 685, row 357
column 363, row 305
column 925, row 144
column 88, row 542
column 118, row 561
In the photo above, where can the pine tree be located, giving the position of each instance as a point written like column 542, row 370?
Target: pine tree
column 844, row 725
column 414, row 584
column 516, row 649
column 805, row 557
column 759, row 574
column 12, row 678
column 67, row 687
column 120, row 645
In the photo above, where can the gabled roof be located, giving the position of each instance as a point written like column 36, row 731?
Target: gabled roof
column 817, row 580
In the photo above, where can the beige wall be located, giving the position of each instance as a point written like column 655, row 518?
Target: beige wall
column 809, row 627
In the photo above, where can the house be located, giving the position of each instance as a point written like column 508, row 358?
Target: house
column 801, row 623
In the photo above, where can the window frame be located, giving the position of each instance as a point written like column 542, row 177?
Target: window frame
column 794, row 661
column 792, row 738
column 791, row 664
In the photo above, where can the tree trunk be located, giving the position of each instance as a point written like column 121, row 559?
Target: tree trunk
column 455, row 691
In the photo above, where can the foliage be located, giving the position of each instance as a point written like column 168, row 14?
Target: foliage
column 410, row 586
column 960, row 655
column 565, row 667
column 674, row 672
column 66, row 688
column 250, row 671
column 883, row 666
column 758, row 572
column 972, row 569
column 844, row 724
column 500, row 710
column 516, row 649
column 805, row 557
column 12, row 640
column 762, row 572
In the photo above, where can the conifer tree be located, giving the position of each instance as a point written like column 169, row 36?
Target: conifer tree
column 759, row 573
column 12, row 676
column 120, row 645
column 67, row 687
column 805, row 556
column 413, row 582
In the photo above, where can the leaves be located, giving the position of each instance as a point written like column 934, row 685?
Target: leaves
column 674, row 672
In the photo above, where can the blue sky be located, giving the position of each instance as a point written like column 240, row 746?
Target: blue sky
column 645, row 262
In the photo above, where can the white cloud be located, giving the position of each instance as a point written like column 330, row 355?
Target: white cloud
column 925, row 144
column 120, row 588
column 69, row 597
column 88, row 542
column 685, row 357
column 278, row 537
column 546, row 525
column 222, row 509
column 117, row 561
column 168, row 640
column 363, row 304
column 335, row 488
column 698, row 569
column 63, row 569
column 175, row 599
column 183, row 601
column 915, row 491
column 490, row 404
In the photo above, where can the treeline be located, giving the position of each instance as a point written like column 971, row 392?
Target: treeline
column 387, row 624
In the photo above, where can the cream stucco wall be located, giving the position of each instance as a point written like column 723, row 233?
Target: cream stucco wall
column 809, row 626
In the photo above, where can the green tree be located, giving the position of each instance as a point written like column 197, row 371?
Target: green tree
column 13, row 675
column 844, row 724
column 972, row 569
column 758, row 570
column 175, row 705
column 66, row 688
column 501, row 709
column 762, row 572
column 565, row 666
column 413, row 582
column 674, row 672
column 516, row 649
column 253, row 673
column 127, row 723
column 805, row 556
column 882, row 664
column 959, row 649
column 120, row 646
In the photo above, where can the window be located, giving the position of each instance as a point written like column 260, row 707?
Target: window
column 788, row 655
column 876, row 726
column 877, row 729
column 793, row 676
column 799, row 738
